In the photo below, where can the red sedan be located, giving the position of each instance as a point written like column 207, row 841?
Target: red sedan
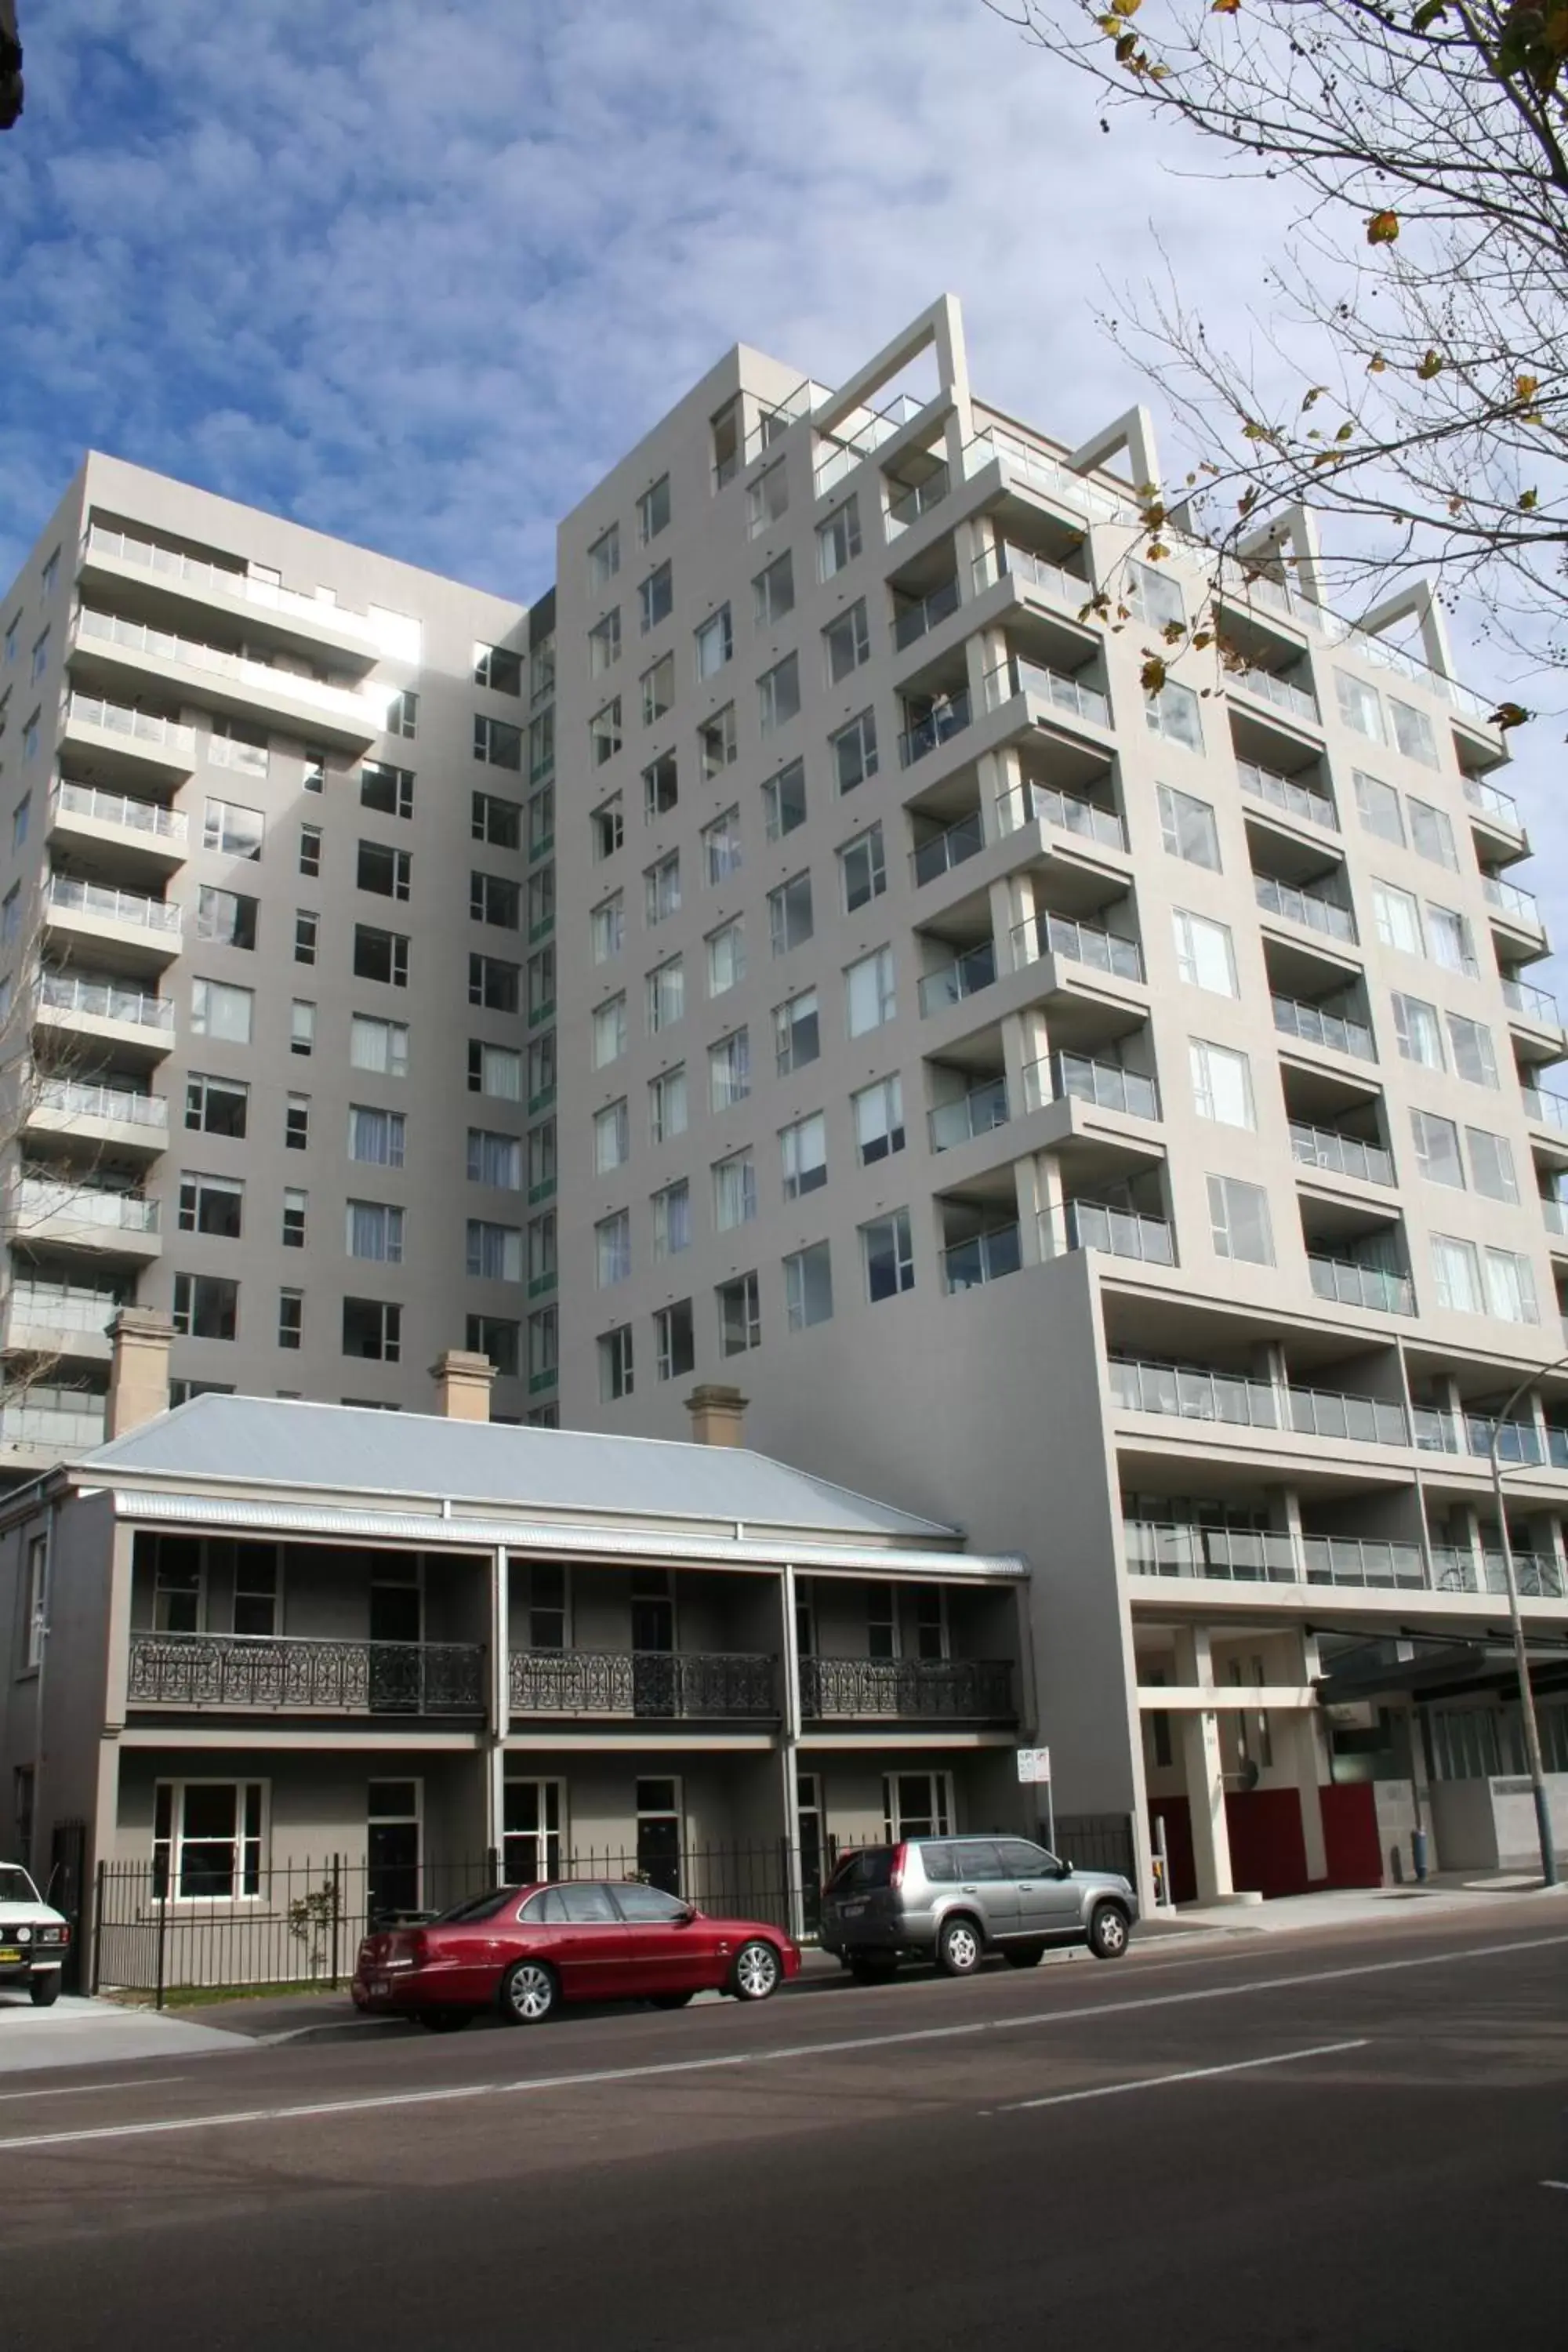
column 523, row 1950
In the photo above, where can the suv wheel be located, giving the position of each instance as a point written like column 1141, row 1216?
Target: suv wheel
column 959, row 1948
column 45, row 1988
column 1107, row 1932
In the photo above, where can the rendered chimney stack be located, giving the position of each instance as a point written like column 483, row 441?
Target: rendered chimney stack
column 718, row 1415
column 463, row 1385
column 139, row 1369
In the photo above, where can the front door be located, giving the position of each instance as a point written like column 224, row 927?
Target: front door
column 392, row 1849
column 653, row 1644
column 531, row 1847
column 658, row 1833
column 397, row 1632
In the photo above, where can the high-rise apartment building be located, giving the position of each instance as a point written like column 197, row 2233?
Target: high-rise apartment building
column 1107, row 1117
column 275, row 953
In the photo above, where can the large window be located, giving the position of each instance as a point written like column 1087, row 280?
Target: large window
column 798, row 1033
column 1432, row 834
column 660, row 787
column 778, row 694
column 657, row 685
column 887, row 1253
column 609, row 1031
column 838, row 540
column 206, row 1307
column 767, row 497
column 1448, row 937
column 495, row 899
column 716, row 741
column 499, row 669
column 1378, row 807
column 1418, row 1031
column 381, row 955
column 1456, row 1267
column 783, row 800
column 207, row 1840
column 1238, row 1220
column 739, row 1315
column 667, row 1104
column 612, row 1138
column 863, row 868
column 734, row 1192
column 381, row 1045
column 726, row 957
column 226, row 916
column 494, row 1158
column 605, row 557
column 605, row 643
column 386, row 871
column 1474, row 1057
column 497, row 742
column 730, row 1070
column 854, row 751
column 656, row 597
column 234, row 831
column 1221, row 1084
column 721, row 847
column 216, row 1106
column 803, row 1148
column 808, row 1287
column 869, row 993
column 790, row 920
column 1398, row 919
column 653, row 510
column 372, row 1328
column 494, row 983
column 615, row 1364
column 674, row 1342
column 1491, row 1164
column 375, row 1231
column 612, row 1249
column 212, row 1205
column 1173, row 711
column 878, row 1112
column 664, row 995
column 219, row 1010
column 1359, row 706
column 1437, row 1148
column 772, row 591
column 388, row 790
column 1187, row 827
column 673, row 1220
column 493, row 1253
column 1204, row 957
column 661, row 889
column 607, row 926
column 715, row 643
column 846, row 643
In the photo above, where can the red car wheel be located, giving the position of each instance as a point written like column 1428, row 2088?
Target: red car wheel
column 757, row 1971
column 529, row 1994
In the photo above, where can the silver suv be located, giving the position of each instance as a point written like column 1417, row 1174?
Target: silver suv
column 953, row 1899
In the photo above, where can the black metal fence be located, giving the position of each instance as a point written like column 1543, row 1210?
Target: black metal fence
column 1097, row 1842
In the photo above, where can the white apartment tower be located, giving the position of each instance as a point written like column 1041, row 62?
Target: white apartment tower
column 1110, row 1119
column 275, row 958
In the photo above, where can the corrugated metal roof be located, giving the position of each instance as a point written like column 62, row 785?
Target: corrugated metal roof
column 283, row 1441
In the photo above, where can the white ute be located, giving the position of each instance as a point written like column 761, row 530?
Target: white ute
column 33, row 1939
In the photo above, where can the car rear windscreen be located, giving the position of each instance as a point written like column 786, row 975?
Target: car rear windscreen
column 858, row 1873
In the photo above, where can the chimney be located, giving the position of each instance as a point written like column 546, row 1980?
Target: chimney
column 718, row 1416
column 463, row 1385
column 139, row 1369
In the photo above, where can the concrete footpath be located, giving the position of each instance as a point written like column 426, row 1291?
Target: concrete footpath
column 81, row 2033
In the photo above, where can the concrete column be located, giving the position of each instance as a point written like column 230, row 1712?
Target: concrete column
column 139, row 1369
column 499, row 1699
column 1002, row 790
column 1012, row 903
column 1305, row 1733
column 1203, row 1768
column 1044, row 1229
column 789, row 1759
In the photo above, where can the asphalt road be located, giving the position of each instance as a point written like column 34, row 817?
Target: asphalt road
column 1343, row 2139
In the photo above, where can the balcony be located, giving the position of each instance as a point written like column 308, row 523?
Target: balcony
column 1231, row 1555
column 1291, row 799
column 129, row 744
column 1078, row 942
column 47, row 1422
column 1546, row 1109
column 947, row 717
column 1016, row 675
column 1536, row 1005
column 1116, row 1232
column 680, row 1686
column 1512, row 909
column 964, row 976
column 1309, row 907
column 261, row 607
column 83, row 1216
column 106, row 1010
column 1007, row 561
column 270, row 1672
column 982, row 1258
column 1313, row 1025
column 1085, row 500
column 1105, row 1084
column 48, row 1319
column 863, row 431
column 349, row 716
column 1495, row 815
column 982, row 1108
column 1538, row 1574
column 947, row 849
column 1239, row 1400
column 1348, row 1560
column 1349, row 1284
column 143, row 831
column 99, row 1113
column 1066, row 813
column 913, row 504
column 147, row 931
column 916, row 618
column 906, row 1690
column 1340, row 1154
column 1267, row 686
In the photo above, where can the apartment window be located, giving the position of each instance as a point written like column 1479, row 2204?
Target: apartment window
column 657, row 689
column 11, row 913
column 853, row 749
column 541, row 822
column 767, row 497
column 373, row 1328
column 838, row 540
column 1474, row 1057
column 734, row 1192
column 612, row 1249
column 1432, row 834
column 1510, row 1286
column 605, row 732
column 605, row 557
column 20, row 816
column 725, row 429
column 1456, row 1269
column 541, row 746
column 494, row 1159
column 295, row 1205
column 674, row 1342
column 310, row 851
column 609, row 1031
column 212, row 1205
column 220, row 1011
column 1360, row 707
column 497, row 742
column 783, row 800
column 653, row 510
column 778, row 694
column 1155, row 597
column 375, row 1231
column 1187, row 827
column 808, row 1287
column 216, row 1106
column 869, row 993
column 388, row 790
column 1413, row 732
column 500, row 670
column 716, row 741
column 48, row 574
column 661, row 889
column 291, row 1317
column 847, row 642
column 803, row 1148
column 495, row 1336
column 380, row 1045
column 541, row 1160
column 1173, row 713
column 612, row 1138
column 715, row 643
column 40, row 661
column 1449, row 938
column 31, row 736
column 721, row 847
column 1491, row 1164
column 878, row 1111
column 207, row 1840
column 301, row 1026
column 661, row 789
column 495, row 822
column 313, row 768
column 667, row 1104
column 615, row 1364
column 297, row 1123
column 887, row 1253
column 797, row 1038
column 609, row 828
column 496, row 900
column 664, row 995
column 234, row 831
column 730, row 1070
column 206, row 1307
column 307, row 927
column 1204, row 957
column 739, row 1315
column 863, row 869
column 656, row 597
column 673, row 1220
column 1222, row 1085
column 772, row 591
column 1418, row 1031
column 605, row 643
column 403, row 715
column 494, row 983
column 1398, row 919
column 1238, row 1220
column 493, row 1253
column 381, row 955
column 543, row 1333
column 378, row 1137
column 1437, row 1150
column 225, row 917
column 790, row 920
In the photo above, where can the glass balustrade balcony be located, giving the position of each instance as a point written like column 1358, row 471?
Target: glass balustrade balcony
column 1314, row 1025
column 1341, row 1155
column 393, row 634
column 1008, row 561
column 916, row 620
column 1229, row 1555
column 964, row 976
column 1064, row 812
column 1016, row 675
column 1553, row 1214
column 1078, row 942
column 1283, row 793
column 65, row 895
column 164, row 737
column 945, row 719
column 362, row 711
column 51, row 1419
column 1352, row 1560
column 38, row 1200
column 978, row 1112
column 1308, row 907
column 1105, row 1084
column 1116, row 1232
column 1500, row 806
column 1240, row 1401
column 118, row 1105
column 1047, row 473
column 120, row 810
column 1349, row 1284
column 1546, row 1109
column 1518, row 906
column 947, row 849
column 59, row 1309
column 1537, row 1004
column 1434, row 1430
column 908, row 508
column 71, row 993
column 984, row 1257
column 1266, row 686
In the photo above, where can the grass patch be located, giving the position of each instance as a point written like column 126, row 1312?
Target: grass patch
column 208, row 1996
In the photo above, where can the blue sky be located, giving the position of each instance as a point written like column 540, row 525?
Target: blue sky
column 416, row 271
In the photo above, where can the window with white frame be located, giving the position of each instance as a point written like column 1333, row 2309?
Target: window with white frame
column 721, row 847
column 1397, row 916
column 772, row 591
column 497, row 742
column 846, row 643
column 726, row 957
column 207, row 1840
column 495, row 1070
column 656, row 597
column 716, row 741
column 715, row 643
column 1377, row 805
column 734, row 1192
column 797, row 1034
column 739, row 1314
column 376, row 1137
column 612, row 1249
column 870, row 994
column 674, row 1342
column 1437, row 1148
column 803, row 1148
column 605, row 557
column 609, row 1031
column 1413, row 732
column 605, row 732
column 1456, row 1267
column 783, row 800
column 1432, row 834
column 808, row 1287
column 375, row 1231
column 864, row 869
column 664, row 995
column 1221, row 1084
column 1187, row 828
column 1155, row 597
column 1510, row 1286
column 778, row 695
column 653, row 510
column 1360, row 707
column 887, row 1251
column 671, row 1219
column 1449, row 939
column 609, row 828
column 854, row 751
column 1205, row 957
column 605, row 643
column 612, row 1138
column 1417, row 1030
column 1491, row 1164
column 233, row 831
column 667, row 1104
column 657, row 685
column 661, row 889
column 607, row 926
column 1475, row 1057
column 493, row 1253
column 1172, row 711
column 838, row 540
column 219, row 1010
column 615, row 1364
column 790, row 919
column 660, row 787
column 767, row 497
column 495, row 1159
column 730, row 1070
column 878, row 1112
column 1238, row 1220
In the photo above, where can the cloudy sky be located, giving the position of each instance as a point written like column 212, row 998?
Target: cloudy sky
column 416, row 271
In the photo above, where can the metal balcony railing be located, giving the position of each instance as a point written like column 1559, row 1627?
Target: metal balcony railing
column 1499, row 804
column 1269, row 687
column 984, row 1257
column 1078, row 942
column 1349, row 1559
column 70, row 1419
column 1519, row 1443
column 118, row 1103
column 1314, row 1025
column 915, row 1690
column 1282, row 792
column 945, row 850
column 388, row 632
column 1520, row 905
column 142, row 726
column 132, row 907
column 863, row 431
column 1017, row 675
column 163, row 644
column 1536, row 1005
column 952, row 982
column 1309, row 907
column 121, row 810
column 669, row 1684
column 283, row 1670
column 1064, row 812
column 1105, row 1084
column 916, row 619
column 1096, row 1226
column 1345, row 1155
column 1351, row 1284
column 1231, row 1555
column 1546, row 1109
column 946, row 718
column 1007, row 561
column 104, row 1000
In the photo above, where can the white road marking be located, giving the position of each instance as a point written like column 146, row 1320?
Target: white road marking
column 1554, row 2184
column 736, row 2060
column 81, row 2089
column 1191, row 2074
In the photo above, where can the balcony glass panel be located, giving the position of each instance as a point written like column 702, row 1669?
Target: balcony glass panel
column 1355, row 1420
column 53, row 1417
column 1232, row 1555
column 1007, row 561
column 1065, row 813
column 984, row 1257
column 915, row 620
column 975, row 1113
column 948, row 718
column 954, row 981
column 1085, row 944
column 104, row 1000
column 1283, row 793
column 83, row 1101
column 1105, row 1084
column 144, row 726
column 1191, row 1394
column 1348, row 1560
column 119, row 809
column 75, row 898
column 1018, row 676
column 1536, row 1005
column 1500, row 805
column 1316, row 1026
column 38, row 1198
column 1269, row 687
column 960, row 841
column 1546, row 1109
column 1349, row 1284
column 163, row 644
column 1305, row 907
column 1095, row 1225
column 1345, row 1155
column 1508, row 899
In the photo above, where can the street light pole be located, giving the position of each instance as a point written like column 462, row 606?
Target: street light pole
column 1520, row 1654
